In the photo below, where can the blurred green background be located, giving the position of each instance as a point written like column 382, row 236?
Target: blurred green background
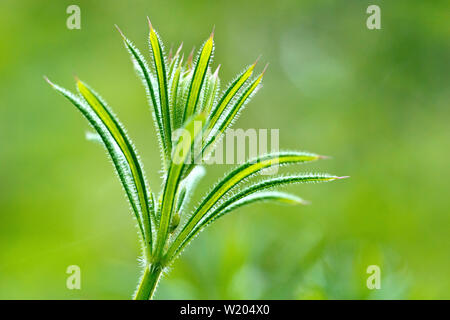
column 377, row 101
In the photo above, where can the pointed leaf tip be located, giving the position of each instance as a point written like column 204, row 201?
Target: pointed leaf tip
column 179, row 49
column 48, row 81
column 324, row 157
column 120, row 31
column 150, row 23
column 190, row 57
column 216, row 73
column 343, row 177
column 256, row 61
column 169, row 57
column 299, row 201
column 191, row 54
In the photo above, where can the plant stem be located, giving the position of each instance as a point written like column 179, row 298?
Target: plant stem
column 148, row 282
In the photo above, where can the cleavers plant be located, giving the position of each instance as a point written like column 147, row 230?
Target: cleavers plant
column 183, row 94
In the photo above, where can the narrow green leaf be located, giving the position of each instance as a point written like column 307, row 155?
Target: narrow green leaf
column 174, row 95
column 230, row 115
column 144, row 73
column 269, row 184
column 223, row 210
column 256, row 193
column 158, row 59
column 282, row 197
column 228, row 95
column 181, row 154
column 118, row 134
column 235, row 177
column 200, row 69
column 114, row 151
column 211, row 94
column 276, row 196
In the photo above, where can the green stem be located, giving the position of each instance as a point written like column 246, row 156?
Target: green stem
column 148, row 283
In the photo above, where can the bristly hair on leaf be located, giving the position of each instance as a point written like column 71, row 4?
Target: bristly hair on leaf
column 185, row 94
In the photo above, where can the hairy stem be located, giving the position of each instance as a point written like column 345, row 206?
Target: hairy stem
column 148, row 283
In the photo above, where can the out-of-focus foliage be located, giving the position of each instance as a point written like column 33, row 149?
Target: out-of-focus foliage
column 376, row 100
